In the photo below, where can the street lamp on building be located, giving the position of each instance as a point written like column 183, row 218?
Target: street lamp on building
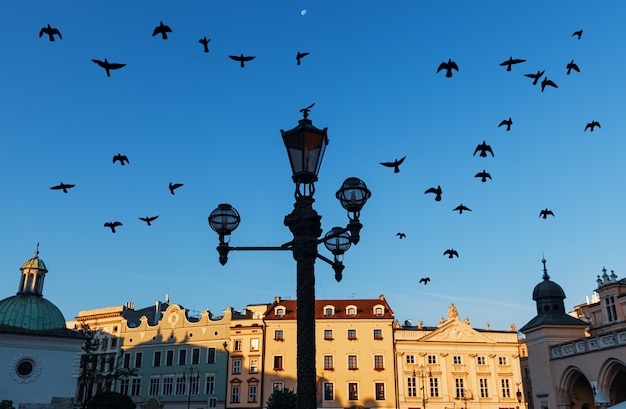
column 305, row 147
column 192, row 378
column 465, row 396
column 423, row 373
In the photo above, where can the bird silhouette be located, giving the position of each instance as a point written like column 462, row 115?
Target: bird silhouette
column 62, row 187
column 162, row 29
column 572, row 66
column 510, row 62
column 108, row 66
column 483, row 148
column 507, row 122
column 51, row 31
column 300, row 55
column 451, row 253
column 205, row 42
column 401, row 235
column 436, row 191
column 241, row 59
column 305, row 111
column 174, row 186
column 149, row 219
column 545, row 213
column 121, row 158
column 460, row 208
column 546, row 82
column 483, row 175
column 535, row 76
column 448, row 66
column 112, row 225
column 395, row 164
column 424, row 280
column 592, row 125
column 578, row 34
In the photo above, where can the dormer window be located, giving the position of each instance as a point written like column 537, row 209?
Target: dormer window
column 351, row 311
column 379, row 311
column 329, row 311
column 280, row 311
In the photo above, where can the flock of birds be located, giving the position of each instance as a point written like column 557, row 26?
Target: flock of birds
column 483, row 149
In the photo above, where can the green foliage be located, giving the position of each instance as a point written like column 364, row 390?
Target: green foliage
column 285, row 399
column 7, row 404
column 111, row 400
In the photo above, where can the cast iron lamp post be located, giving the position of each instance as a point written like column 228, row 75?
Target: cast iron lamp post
column 305, row 146
column 193, row 379
column 423, row 372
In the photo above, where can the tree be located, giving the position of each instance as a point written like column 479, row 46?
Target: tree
column 282, row 399
column 111, row 400
column 7, row 404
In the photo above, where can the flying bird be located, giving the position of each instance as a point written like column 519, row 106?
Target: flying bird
column 578, row 34
column 300, row 55
column 545, row 213
column 510, row 62
column 572, row 66
column 507, row 122
column 149, row 219
column 108, row 65
column 436, row 191
column 162, row 29
column 483, row 175
column 112, row 225
column 205, row 42
column 174, row 186
column 401, row 235
column 121, row 159
column 62, row 187
column 448, row 66
column 460, row 208
column 51, row 31
column 547, row 82
column 592, row 125
column 535, row 76
column 241, row 59
column 424, row 280
column 395, row 164
column 483, row 148
column 451, row 253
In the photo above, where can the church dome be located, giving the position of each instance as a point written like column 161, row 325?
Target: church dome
column 547, row 289
column 30, row 313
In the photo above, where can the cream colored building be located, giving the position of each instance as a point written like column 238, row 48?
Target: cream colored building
column 455, row 365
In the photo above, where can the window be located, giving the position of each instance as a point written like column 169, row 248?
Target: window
column 501, row 360
column 237, row 345
column 180, row 385
column 329, row 391
column 280, row 312
column 212, row 402
column 210, row 358
column 328, row 363
column 124, row 383
column 168, row 385
column 169, row 358
column 195, row 356
column 104, row 344
column 194, row 384
column 135, row 386
column 352, row 334
column 378, row 363
column 432, row 359
column 329, row 311
column 484, row 391
column 611, row 313
column 182, row 357
column 234, row 394
column 278, row 335
column 278, row 362
column 379, row 311
column 411, row 386
column 278, row 386
column 459, row 392
column 352, row 362
column 252, row 392
column 351, row 311
column 254, row 365
column 126, row 362
column 434, row 387
column 378, row 333
column 328, row 334
column 353, row 391
column 254, row 344
column 480, row 360
column 506, row 390
column 113, row 342
column 379, row 387
column 138, row 359
column 209, row 388
column 410, row 359
column 236, row 366
column 155, row 383
column 456, row 360
column 156, row 358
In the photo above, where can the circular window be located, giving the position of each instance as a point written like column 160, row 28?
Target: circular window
column 25, row 367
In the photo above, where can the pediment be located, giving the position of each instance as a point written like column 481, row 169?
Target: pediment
column 456, row 331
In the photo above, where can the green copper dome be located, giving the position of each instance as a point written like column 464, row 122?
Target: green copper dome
column 30, row 313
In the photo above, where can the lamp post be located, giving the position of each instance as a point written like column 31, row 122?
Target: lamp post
column 305, row 147
column 192, row 379
column 464, row 397
column 423, row 370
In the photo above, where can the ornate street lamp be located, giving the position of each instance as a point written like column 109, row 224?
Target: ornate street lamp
column 423, row 373
column 305, row 146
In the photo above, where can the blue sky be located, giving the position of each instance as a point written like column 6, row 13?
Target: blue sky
column 182, row 115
